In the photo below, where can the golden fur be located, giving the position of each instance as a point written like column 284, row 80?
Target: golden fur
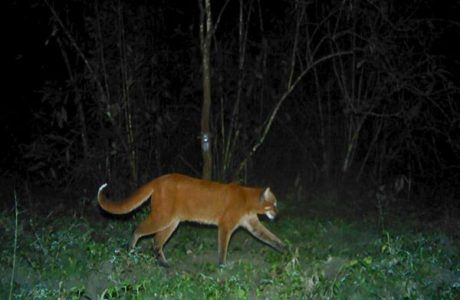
column 176, row 198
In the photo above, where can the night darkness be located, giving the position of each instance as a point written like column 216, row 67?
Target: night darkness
column 355, row 99
column 397, row 107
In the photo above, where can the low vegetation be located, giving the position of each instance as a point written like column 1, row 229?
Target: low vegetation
column 83, row 256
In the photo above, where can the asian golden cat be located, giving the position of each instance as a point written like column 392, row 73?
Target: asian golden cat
column 176, row 198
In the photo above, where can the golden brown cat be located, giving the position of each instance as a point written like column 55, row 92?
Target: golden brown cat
column 176, row 198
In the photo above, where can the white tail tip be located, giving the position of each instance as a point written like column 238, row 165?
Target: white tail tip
column 101, row 188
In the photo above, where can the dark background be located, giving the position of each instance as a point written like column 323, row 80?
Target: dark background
column 100, row 91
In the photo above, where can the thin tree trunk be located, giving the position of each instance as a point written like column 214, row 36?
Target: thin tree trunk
column 205, row 39
column 77, row 100
column 128, row 110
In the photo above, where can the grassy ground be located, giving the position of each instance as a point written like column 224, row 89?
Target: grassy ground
column 83, row 256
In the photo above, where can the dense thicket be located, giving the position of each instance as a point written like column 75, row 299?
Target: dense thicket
column 310, row 92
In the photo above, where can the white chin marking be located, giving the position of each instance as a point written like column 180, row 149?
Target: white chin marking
column 269, row 215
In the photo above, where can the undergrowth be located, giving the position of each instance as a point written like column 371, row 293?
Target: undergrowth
column 73, row 257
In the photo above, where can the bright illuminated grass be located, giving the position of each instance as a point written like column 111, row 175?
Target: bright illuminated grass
column 68, row 258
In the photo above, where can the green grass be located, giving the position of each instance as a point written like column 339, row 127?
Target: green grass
column 70, row 257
